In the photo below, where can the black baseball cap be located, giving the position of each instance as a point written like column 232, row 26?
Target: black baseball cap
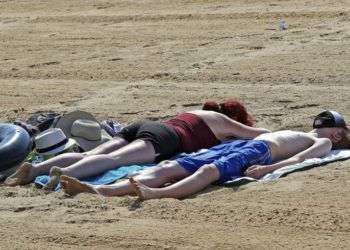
column 329, row 119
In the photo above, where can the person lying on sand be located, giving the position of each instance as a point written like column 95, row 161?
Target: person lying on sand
column 147, row 142
column 255, row 158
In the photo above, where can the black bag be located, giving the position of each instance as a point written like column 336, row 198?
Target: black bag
column 39, row 122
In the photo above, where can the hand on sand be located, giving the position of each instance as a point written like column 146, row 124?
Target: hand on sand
column 73, row 186
column 22, row 176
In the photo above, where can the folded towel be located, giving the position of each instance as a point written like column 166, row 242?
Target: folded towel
column 334, row 155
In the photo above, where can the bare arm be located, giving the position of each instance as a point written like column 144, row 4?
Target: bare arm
column 232, row 128
column 225, row 128
column 319, row 148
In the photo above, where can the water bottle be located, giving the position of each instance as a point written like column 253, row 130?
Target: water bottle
column 117, row 127
column 111, row 127
column 283, row 25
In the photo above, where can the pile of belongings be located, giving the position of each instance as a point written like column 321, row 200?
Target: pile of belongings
column 46, row 135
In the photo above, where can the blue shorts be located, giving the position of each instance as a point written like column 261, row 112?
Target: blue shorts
column 231, row 158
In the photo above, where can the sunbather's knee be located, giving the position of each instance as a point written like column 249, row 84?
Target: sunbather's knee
column 73, row 155
column 209, row 171
column 169, row 169
column 89, row 153
column 167, row 164
column 162, row 169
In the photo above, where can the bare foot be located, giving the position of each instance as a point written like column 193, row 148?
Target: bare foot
column 142, row 191
column 22, row 176
column 55, row 174
column 73, row 186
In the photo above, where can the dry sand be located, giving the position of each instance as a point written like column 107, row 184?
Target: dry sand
column 128, row 60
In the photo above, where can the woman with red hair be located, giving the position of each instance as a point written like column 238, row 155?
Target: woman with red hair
column 147, row 142
column 233, row 109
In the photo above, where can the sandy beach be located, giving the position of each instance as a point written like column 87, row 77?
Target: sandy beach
column 130, row 60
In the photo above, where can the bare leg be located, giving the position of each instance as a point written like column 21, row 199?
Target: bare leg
column 186, row 187
column 108, row 147
column 73, row 186
column 67, row 159
column 156, row 177
column 27, row 172
column 55, row 174
column 137, row 152
column 22, row 176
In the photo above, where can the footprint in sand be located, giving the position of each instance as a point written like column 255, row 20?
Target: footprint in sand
column 115, row 59
column 256, row 47
column 43, row 64
column 209, row 63
column 22, row 209
column 102, row 6
column 284, row 101
column 196, row 65
column 191, row 104
column 304, row 106
column 278, row 38
column 333, row 36
column 160, row 75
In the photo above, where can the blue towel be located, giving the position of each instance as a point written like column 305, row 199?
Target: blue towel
column 103, row 179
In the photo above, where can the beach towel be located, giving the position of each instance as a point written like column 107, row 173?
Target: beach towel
column 334, row 155
column 102, row 179
column 122, row 172
column 105, row 178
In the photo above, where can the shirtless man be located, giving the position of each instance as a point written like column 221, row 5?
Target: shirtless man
column 255, row 158
column 145, row 142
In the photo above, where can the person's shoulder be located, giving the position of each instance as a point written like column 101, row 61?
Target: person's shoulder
column 324, row 140
column 206, row 113
column 289, row 132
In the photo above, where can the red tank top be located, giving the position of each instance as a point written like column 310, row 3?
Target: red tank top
column 194, row 133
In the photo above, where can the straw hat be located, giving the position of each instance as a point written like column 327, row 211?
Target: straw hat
column 88, row 134
column 84, row 128
column 52, row 142
column 66, row 121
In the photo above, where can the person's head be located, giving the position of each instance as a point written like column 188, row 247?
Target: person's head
column 330, row 124
column 344, row 141
column 231, row 108
column 340, row 137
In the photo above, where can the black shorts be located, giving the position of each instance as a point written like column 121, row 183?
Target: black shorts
column 164, row 139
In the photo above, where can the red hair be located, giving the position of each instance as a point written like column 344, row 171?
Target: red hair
column 231, row 108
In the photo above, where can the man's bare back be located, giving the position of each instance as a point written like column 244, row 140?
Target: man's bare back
column 287, row 143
